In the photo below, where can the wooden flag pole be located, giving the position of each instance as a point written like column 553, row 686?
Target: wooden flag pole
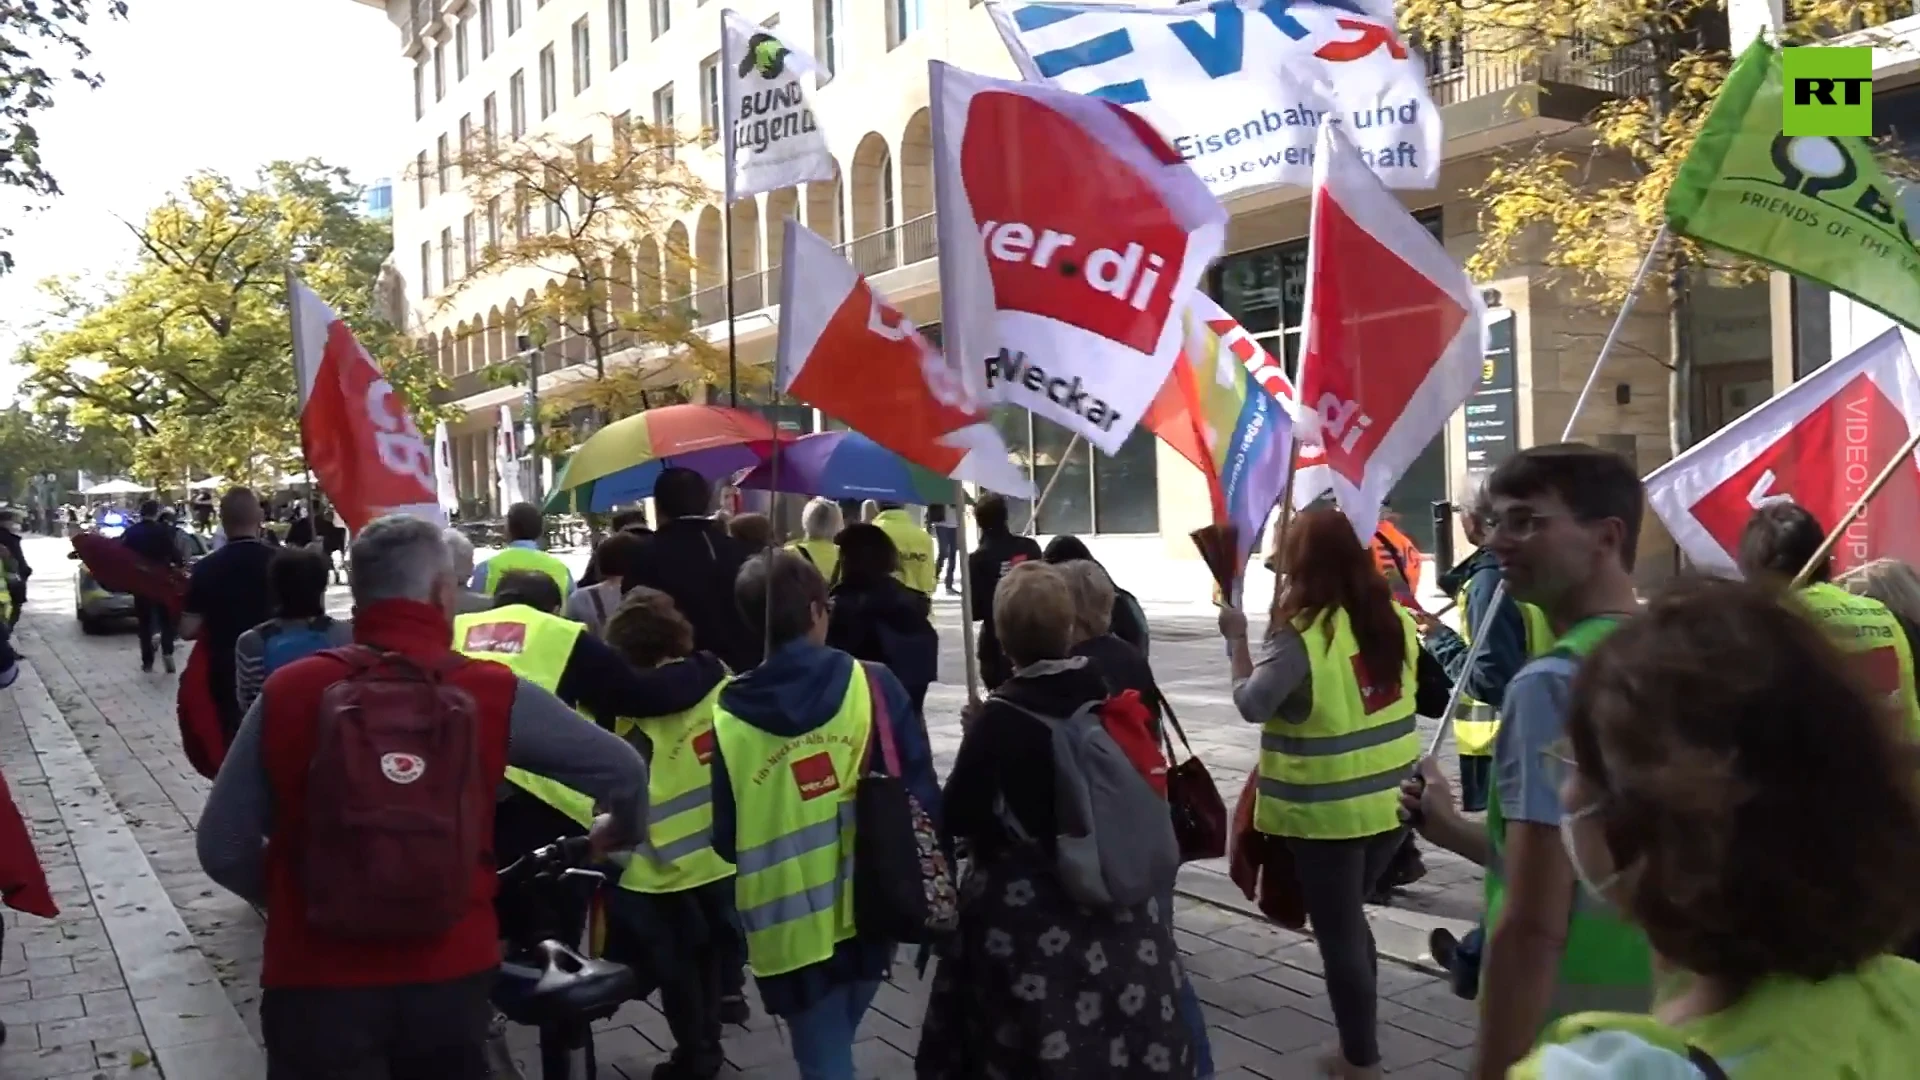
column 1033, row 512
column 966, row 595
column 1859, row 507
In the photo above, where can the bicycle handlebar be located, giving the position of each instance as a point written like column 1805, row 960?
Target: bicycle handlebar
column 567, row 854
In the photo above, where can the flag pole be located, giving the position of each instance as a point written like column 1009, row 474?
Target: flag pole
column 733, row 343
column 1033, row 512
column 1479, row 643
column 1859, row 507
column 306, row 459
column 967, row 647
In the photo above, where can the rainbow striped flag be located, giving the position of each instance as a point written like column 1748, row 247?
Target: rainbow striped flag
column 1215, row 412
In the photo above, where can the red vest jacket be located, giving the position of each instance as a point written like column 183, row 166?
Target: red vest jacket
column 297, row 957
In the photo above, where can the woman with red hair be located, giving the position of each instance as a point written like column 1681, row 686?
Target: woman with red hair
column 1335, row 688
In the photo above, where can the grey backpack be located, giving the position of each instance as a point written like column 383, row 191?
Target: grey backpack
column 1116, row 846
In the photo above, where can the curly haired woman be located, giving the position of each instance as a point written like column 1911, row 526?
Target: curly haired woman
column 1736, row 794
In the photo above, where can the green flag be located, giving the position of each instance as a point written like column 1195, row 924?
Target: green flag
column 1816, row 206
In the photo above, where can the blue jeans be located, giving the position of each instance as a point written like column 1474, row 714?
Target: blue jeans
column 823, row 1034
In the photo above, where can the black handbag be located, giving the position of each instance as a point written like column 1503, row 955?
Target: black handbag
column 902, row 883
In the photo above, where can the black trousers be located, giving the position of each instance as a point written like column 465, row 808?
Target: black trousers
column 688, row 944
column 156, row 622
column 424, row 1031
column 1335, row 877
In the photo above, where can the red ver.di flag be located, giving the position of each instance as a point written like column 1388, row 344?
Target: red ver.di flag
column 1071, row 235
column 1820, row 444
column 359, row 439
column 849, row 353
column 1395, row 336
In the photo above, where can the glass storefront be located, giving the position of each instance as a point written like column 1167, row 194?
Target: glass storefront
column 1093, row 493
column 1266, row 289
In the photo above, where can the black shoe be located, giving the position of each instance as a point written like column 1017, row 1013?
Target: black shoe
column 167, row 662
column 1440, row 946
column 734, row 1009
column 146, row 666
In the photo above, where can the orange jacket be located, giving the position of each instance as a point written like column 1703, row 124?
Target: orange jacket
column 1394, row 552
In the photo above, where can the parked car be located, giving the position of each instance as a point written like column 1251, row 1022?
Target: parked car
column 101, row 611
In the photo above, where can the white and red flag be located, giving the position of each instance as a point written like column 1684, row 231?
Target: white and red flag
column 1071, row 235
column 849, row 353
column 1393, row 343
column 360, row 441
column 1820, row 444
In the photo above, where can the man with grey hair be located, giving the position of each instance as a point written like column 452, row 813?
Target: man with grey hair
column 410, row 1003
column 460, row 550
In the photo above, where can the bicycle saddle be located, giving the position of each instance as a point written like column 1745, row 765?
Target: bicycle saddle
column 551, row 983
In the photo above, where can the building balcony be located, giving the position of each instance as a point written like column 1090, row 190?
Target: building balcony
column 1484, row 98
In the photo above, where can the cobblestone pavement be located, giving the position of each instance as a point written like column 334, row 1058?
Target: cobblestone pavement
column 152, row 970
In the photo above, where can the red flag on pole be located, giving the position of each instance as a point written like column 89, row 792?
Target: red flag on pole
column 359, row 438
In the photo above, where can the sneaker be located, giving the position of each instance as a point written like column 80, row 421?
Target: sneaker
column 167, row 662
column 1440, row 946
column 734, row 1009
column 146, row 666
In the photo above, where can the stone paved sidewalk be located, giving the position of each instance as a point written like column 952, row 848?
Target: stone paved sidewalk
column 150, row 959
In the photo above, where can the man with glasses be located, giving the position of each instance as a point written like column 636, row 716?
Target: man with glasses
column 1563, row 523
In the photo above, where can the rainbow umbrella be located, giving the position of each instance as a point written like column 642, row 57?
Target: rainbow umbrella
column 620, row 462
column 847, row 465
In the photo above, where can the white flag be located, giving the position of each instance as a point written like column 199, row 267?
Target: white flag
column 443, row 479
column 1241, row 89
column 773, row 139
column 506, row 459
column 1070, row 236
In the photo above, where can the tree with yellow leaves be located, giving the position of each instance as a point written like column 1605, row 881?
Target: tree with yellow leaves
column 1573, row 209
column 575, row 211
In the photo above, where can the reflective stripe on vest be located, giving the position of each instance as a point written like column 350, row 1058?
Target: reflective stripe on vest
column 1475, row 722
column 536, row 646
column 679, row 851
column 1873, row 639
column 1337, row 776
column 1606, row 964
column 509, row 559
column 794, row 831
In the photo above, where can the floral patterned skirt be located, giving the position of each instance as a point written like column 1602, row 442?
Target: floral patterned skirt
column 1032, row 986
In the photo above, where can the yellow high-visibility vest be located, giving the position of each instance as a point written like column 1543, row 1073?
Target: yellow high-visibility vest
column 794, row 831
column 915, row 548
column 678, row 853
column 1337, row 776
column 1476, row 722
column 509, row 559
column 536, row 646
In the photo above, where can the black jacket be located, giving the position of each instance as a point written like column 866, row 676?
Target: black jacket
column 888, row 624
column 997, row 554
column 1006, row 754
column 694, row 561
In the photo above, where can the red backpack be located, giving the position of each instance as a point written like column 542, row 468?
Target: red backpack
column 397, row 802
column 1130, row 725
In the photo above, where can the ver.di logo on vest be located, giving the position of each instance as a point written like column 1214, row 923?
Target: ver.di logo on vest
column 1829, row 91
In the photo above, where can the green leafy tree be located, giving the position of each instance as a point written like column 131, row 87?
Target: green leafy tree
column 34, row 36
column 573, row 212
column 36, row 442
column 1586, row 210
column 190, row 352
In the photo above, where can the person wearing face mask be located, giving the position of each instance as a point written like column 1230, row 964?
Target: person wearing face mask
column 1734, row 792
column 1564, row 521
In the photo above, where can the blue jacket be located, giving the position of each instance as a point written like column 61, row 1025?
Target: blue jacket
column 1506, row 650
column 796, row 690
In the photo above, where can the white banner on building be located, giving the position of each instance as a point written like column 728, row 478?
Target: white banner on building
column 1241, row 89
column 773, row 138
